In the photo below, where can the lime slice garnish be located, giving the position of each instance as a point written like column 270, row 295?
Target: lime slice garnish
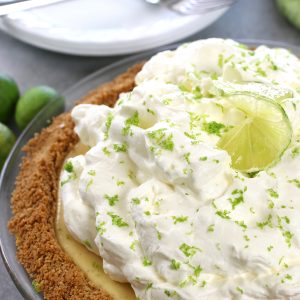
column 257, row 90
column 261, row 138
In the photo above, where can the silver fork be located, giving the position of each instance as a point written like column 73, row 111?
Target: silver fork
column 193, row 7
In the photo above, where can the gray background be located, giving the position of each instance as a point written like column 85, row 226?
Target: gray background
column 251, row 19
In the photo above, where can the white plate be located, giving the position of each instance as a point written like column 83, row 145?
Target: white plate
column 103, row 27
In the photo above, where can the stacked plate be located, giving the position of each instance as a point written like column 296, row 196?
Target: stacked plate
column 103, row 27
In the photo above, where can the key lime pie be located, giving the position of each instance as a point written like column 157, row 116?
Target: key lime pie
column 187, row 188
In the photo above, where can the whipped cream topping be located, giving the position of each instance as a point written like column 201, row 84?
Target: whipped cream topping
column 160, row 202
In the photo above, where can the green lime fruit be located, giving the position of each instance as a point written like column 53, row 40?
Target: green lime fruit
column 32, row 102
column 9, row 94
column 261, row 138
column 291, row 10
column 7, row 140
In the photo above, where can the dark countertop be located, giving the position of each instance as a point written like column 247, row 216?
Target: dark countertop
column 255, row 19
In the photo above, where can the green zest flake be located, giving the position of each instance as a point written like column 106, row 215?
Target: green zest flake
column 133, row 121
column 136, row 201
column 90, row 182
column 36, row 286
column 160, row 138
column 100, row 228
column 241, row 224
column 270, row 248
column 131, row 175
column 189, row 251
column 87, row 243
column 167, row 101
column 180, row 219
column 117, row 220
column 246, row 237
column 150, row 111
column 197, row 271
column 187, row 157
column 175, row 265
column 194, row 120
column 213, row 127
column 92, row 172
column 211, row 228
column 106, row 151
column 296, row 182
column 120, row 147
column 220, row 61
column 295, row 152
column 170, row 293
column 240, row 290
column 288, row 237
column 147, row 262
column 120, row 182
column 112, row 200
column 238, row 198
column 267, row 222
column 272, row 193
column 224, row 214
column 69, row 167
column 133, row 245
column 72, row 176
column 108, row 125
column 147, row 213
column 158, row 235
column 252, row 210
column 271, row 204
column 203, row 158
column 261, row 72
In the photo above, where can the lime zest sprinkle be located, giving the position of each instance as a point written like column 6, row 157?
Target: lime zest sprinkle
column 240, row 290
column 170, row 293
column 189, row 251
column 211, row 228
column 272, row 193
column 180, row 219
column 106, row 151
column 92, row 172
column 147, row 262
column 238, row 199
column 112, row 200
column 100, row 228
column 36, row 286
column 132, row 121
column 224, row 214
column 117, row 220
column 120, row 147
column 108, row 122
column 162, row 140
column 213, row 127
column 296, row 182
column 175, row 265
column 69, row 167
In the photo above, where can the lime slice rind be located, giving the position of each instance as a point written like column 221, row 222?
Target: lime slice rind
column 254, row 89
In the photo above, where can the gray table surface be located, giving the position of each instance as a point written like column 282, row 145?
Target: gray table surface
column 251, row 19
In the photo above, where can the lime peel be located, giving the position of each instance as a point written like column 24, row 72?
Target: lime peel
column 254, row 89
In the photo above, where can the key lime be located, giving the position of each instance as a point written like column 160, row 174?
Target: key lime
column 261, row 138
column 32, row 102
column 9, row 94
column 7, row 140
column 291, row 10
